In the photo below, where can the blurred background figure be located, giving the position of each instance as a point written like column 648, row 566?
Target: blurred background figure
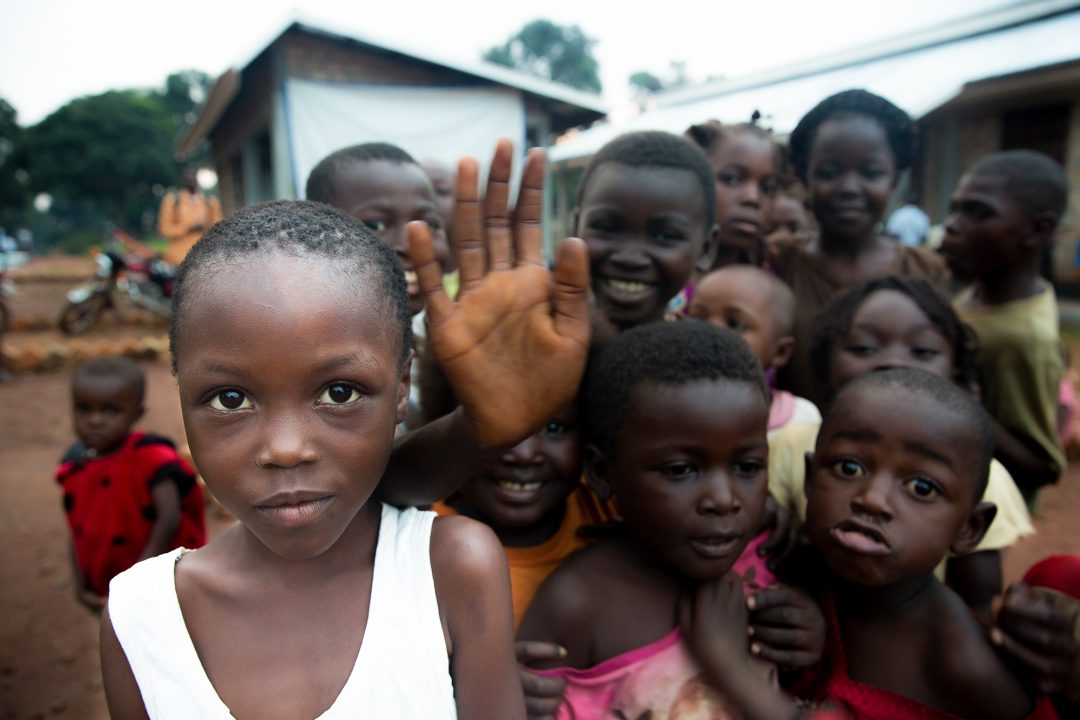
column 185, row 215
column 909, row 223
column 442, row 179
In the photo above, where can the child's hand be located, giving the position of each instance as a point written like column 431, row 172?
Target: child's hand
column 786, row 627
column 543, row 695
column 514, row 344
column 1040, row 635
column 713, row 620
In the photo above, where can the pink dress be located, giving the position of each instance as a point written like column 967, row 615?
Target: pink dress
column 660, row 681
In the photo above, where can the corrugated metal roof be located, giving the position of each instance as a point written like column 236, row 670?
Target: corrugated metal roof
column 918, row 77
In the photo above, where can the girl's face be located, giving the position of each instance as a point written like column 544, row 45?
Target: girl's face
column 644, row 227
column 689, row 473
column 531, row 480
column 851, row 174
column 290, row 388
column 888, row 330
column 746, row 188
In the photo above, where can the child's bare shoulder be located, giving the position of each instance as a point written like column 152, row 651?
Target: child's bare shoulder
column 464, row 548
column 965, row 667
column 570, row 599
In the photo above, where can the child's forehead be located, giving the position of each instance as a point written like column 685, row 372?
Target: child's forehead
column 113, row 385
column 364, row 179
column 611, row 177
column 894, row 413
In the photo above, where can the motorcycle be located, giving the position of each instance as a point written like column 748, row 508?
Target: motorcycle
column 146, row 283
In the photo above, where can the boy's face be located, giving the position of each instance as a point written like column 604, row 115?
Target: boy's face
column 888, row 330
column 105, row 410
column 290, row 390
column 985, row 229
column 386, row 196
column 852, row 173
column 531, row 480
column 644, row 227
column 741, row 302
column 789, row 215
column 689, row 471
column 890, row 487
column 746, row 187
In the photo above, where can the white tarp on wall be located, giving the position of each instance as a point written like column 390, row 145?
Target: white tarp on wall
column 442, row 124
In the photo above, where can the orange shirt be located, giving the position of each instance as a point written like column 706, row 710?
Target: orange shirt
column 530, row 566
column 180, row 213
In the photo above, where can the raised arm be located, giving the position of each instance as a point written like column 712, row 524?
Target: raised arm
column 514, row 343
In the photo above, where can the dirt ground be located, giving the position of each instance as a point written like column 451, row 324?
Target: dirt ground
column 49, row 644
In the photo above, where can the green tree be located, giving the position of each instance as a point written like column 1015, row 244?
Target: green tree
column 554, row 52
column 645, row 82
column 14, row 194
column 100, row 158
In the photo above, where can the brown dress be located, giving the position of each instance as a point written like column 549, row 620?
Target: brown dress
column 801, row 270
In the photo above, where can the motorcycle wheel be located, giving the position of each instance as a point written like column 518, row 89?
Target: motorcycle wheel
column 81, row 316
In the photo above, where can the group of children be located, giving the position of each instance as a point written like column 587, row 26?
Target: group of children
column 780, row 488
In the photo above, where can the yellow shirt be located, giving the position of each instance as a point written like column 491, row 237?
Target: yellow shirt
column 179, row 219
column 787, row 483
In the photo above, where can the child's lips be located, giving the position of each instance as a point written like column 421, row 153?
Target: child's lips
column 716, row 546
column 860, row 539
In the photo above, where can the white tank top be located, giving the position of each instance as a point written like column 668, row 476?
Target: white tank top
column 402, row 669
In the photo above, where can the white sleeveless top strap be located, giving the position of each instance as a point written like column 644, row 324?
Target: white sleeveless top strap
column 402, row 669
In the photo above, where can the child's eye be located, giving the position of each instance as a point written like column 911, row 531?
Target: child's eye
column 861, row 349
column 678, row 471
column 556, row 428
column 770, row 186
column 434, row 223
column 375, row 225
column 338, row 394
column 925, row 353
column 921, row 488
column 227, row 400
column 848, row 468
column 749, row 467
column 737, row 325
column 730, row 179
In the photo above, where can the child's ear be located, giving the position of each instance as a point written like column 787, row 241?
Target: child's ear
column 974, row 528
column 139, row 412
column 711, row 246
column 597, row 471
column 1042, row 229
column 782, row 352
column 404, row 383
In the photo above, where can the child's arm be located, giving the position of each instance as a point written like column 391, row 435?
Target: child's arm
column 166, row 497
column 514, row 343
column 472, row 584
column 714, row 622
column 976, row 578
column 121, row 691
column 86, row 597
column 1030, row 466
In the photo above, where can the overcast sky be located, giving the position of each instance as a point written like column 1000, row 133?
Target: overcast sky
column 54, row 50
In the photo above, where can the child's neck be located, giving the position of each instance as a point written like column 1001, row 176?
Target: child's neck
column 846, row 247
column 863, row 602
column 1007, row 286
column 519, row 537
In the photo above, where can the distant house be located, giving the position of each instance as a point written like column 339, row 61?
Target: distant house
column 315, row 89
column 1008, row 78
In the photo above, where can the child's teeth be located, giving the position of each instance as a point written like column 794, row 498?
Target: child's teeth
column 628, row 286
column 410, row 276
column 520, row 487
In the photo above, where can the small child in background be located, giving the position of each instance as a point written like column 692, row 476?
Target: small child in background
column 442, row 182
column 748, row 165
column 1002, row 217
column 761, row 308
column 647, row 212
column 901, row 322
column 789, row 216
column 128, row 495
column 676, row 417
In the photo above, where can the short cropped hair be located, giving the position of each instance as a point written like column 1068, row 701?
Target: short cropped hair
column 656, row 354
column 834, row 322
column 973, row 418
column 899, row 129
column 653, row 148
column 322, row 183
column 114, row 367
column 300, row 229
column 1034, row 179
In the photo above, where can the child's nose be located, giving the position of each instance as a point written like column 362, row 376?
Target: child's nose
column 750, row 194
column 629, row 253
column 717, row 497
column 873, row 497
column 526, row 452
column 286, row 443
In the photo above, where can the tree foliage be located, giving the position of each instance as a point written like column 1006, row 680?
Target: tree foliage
column 553, row 52
column 646, row 83
column 14, row 193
